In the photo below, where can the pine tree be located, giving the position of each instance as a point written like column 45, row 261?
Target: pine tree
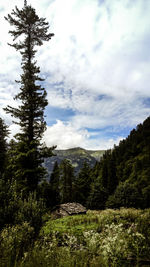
column 83, row 184
column 30, row 114
column 3, row 145
column 66, row 181
column 3, row 185
column 55, row 185
column 97, row 196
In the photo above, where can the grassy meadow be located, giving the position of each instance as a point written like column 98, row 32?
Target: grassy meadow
column 99, row 238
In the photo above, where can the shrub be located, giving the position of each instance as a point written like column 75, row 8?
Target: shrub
column 14, row 242
column 31, row 211
column 99, row 238
column 119, row 243
column 146, row 197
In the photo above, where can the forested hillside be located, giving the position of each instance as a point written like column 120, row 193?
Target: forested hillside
column 123, row 175
column 120, row 178
column 77, row 156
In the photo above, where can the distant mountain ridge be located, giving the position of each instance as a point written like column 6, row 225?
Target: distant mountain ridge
column 77, row 157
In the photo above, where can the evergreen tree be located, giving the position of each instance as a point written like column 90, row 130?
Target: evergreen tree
column 30, row 113
column 66, row 181
column 126, row 195
column 97, row 197
column 55, row 185
column 4, row 186
column 3, row 145
column 104, row 170
column 44, row 192
column 112, row 179
column 83, row 184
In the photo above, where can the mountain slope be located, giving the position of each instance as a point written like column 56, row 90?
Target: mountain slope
column 77, row 156
column 124, row 172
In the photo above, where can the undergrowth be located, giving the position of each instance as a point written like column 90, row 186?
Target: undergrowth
column 99, row 238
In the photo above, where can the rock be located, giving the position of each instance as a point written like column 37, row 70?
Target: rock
column 68, row 209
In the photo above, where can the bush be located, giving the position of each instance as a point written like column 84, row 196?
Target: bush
column 31, row 211
column 99, row 238
column 14, row 242
column 146, row 197
column 119, row 243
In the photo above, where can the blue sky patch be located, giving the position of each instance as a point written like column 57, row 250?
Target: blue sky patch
column 109, row 132
column 53, row 114
column 146, row 102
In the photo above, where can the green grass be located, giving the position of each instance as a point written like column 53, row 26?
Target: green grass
column 99, row 238
column 71, row 224
column 94, row 220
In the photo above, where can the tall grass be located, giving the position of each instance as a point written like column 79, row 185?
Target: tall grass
column 99, row 238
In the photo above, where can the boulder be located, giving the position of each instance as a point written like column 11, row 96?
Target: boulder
column 68, row 209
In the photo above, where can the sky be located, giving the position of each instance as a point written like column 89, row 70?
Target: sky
column 96, row 70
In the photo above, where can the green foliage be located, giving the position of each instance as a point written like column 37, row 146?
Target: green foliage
column 114, row 238
column 4, row 200
column 124, row 171
column 3, row 146
column 14, row 242
column 108, row 171
column 11, row 160
column 66, row 181
column 55, row 185
column 97, row 197
column 45, row 193
column 146, row 196
column 30, row 210
column 118, row 242
column 82, row 184
column 99, row 238
column 16, row 209
column 126, row 195
column 71, row 225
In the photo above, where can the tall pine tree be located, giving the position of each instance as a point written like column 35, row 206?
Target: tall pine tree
column 3, row 145
column 30, row 113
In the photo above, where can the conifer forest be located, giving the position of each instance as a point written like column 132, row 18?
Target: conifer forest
column 115, row 229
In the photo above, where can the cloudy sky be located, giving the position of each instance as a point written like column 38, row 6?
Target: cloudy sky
column 96, row 69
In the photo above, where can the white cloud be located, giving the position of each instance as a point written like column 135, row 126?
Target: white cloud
column 104, row 57
column 64, row 136
column 102, row 143
column 13, row 129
